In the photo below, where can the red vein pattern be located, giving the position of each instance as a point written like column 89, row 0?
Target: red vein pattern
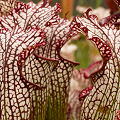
column 103, row 101
column 77, row 96
column 117, row 2
column 33, row 75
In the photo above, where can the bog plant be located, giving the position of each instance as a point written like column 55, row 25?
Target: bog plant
column 35, row 77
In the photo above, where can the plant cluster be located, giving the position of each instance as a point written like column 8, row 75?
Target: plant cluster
column 35, row 78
